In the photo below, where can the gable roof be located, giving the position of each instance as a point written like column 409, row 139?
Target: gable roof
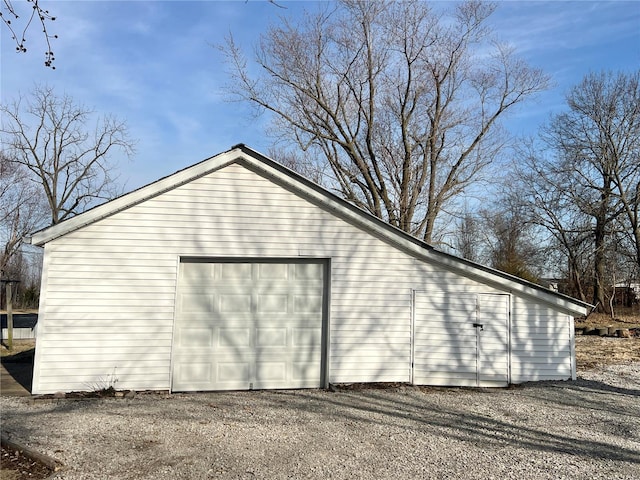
column 298, row 184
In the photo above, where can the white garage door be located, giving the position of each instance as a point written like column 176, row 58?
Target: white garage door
column 246, row 326
column 461, row 340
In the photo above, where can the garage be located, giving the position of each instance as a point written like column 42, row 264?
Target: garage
column 237, row 273
column 243, row 325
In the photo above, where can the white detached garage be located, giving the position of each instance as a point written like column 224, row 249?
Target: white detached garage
column 237, row 273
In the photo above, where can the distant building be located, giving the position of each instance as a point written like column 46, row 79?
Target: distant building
column 627, row 293
column 551, row 283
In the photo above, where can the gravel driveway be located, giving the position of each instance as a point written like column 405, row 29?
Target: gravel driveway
column 586, row 429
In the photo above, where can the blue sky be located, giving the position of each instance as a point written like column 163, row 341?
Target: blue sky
column 153, row 64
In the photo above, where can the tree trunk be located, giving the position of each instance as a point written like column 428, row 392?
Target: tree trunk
column 599, row 286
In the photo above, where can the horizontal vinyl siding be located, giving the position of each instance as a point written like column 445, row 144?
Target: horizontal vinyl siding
column 540, row 343
column 110, row 286
column 370, row 316
column 109, row 290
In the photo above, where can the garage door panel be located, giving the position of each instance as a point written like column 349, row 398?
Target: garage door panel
column 307, row 303
column 271, row 337
column 257, row 325
column 276, row 303
column 273, row 271
column 195, row 371
column 302, row 371
column 308, row 271
column 233, row 337
column 233, row 371
column 271, row 371
column 233, row 271
column 195, row 337
column 234, row 303
column 196, row 303
column 199, row 272
column 306, row 336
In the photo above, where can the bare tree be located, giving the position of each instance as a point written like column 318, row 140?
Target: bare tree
column 21, row 210
column 512, row 242
column 402, row 103
column 539, row 186
column 597, row 145
column 66, row 150
column 581, row 182
column 468, row 237
column 296, row 161
column 35, row 16
column 620, row 134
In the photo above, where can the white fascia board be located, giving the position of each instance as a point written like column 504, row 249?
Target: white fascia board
column 133, row 198
column 411, row 244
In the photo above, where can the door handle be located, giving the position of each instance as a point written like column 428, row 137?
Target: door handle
column 479, row 325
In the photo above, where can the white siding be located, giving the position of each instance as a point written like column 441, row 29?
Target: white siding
column 108, row 293
column 110, row 286
column 541, row 343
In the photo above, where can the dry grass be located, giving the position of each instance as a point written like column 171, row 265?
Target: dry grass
column 623, row 319
column 19, row 346
column 593, row 351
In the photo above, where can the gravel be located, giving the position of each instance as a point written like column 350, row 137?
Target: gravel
column 587, row 429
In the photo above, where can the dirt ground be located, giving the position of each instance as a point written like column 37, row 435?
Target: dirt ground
column 16, row 466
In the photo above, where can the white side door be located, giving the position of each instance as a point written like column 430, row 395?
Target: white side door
column 460, row 339
column 493, row 340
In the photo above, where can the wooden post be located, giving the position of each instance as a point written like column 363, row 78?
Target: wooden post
column 9, row 291
column 9, row 317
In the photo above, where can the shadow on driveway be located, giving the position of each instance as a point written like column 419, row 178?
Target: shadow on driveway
column 16, row 374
